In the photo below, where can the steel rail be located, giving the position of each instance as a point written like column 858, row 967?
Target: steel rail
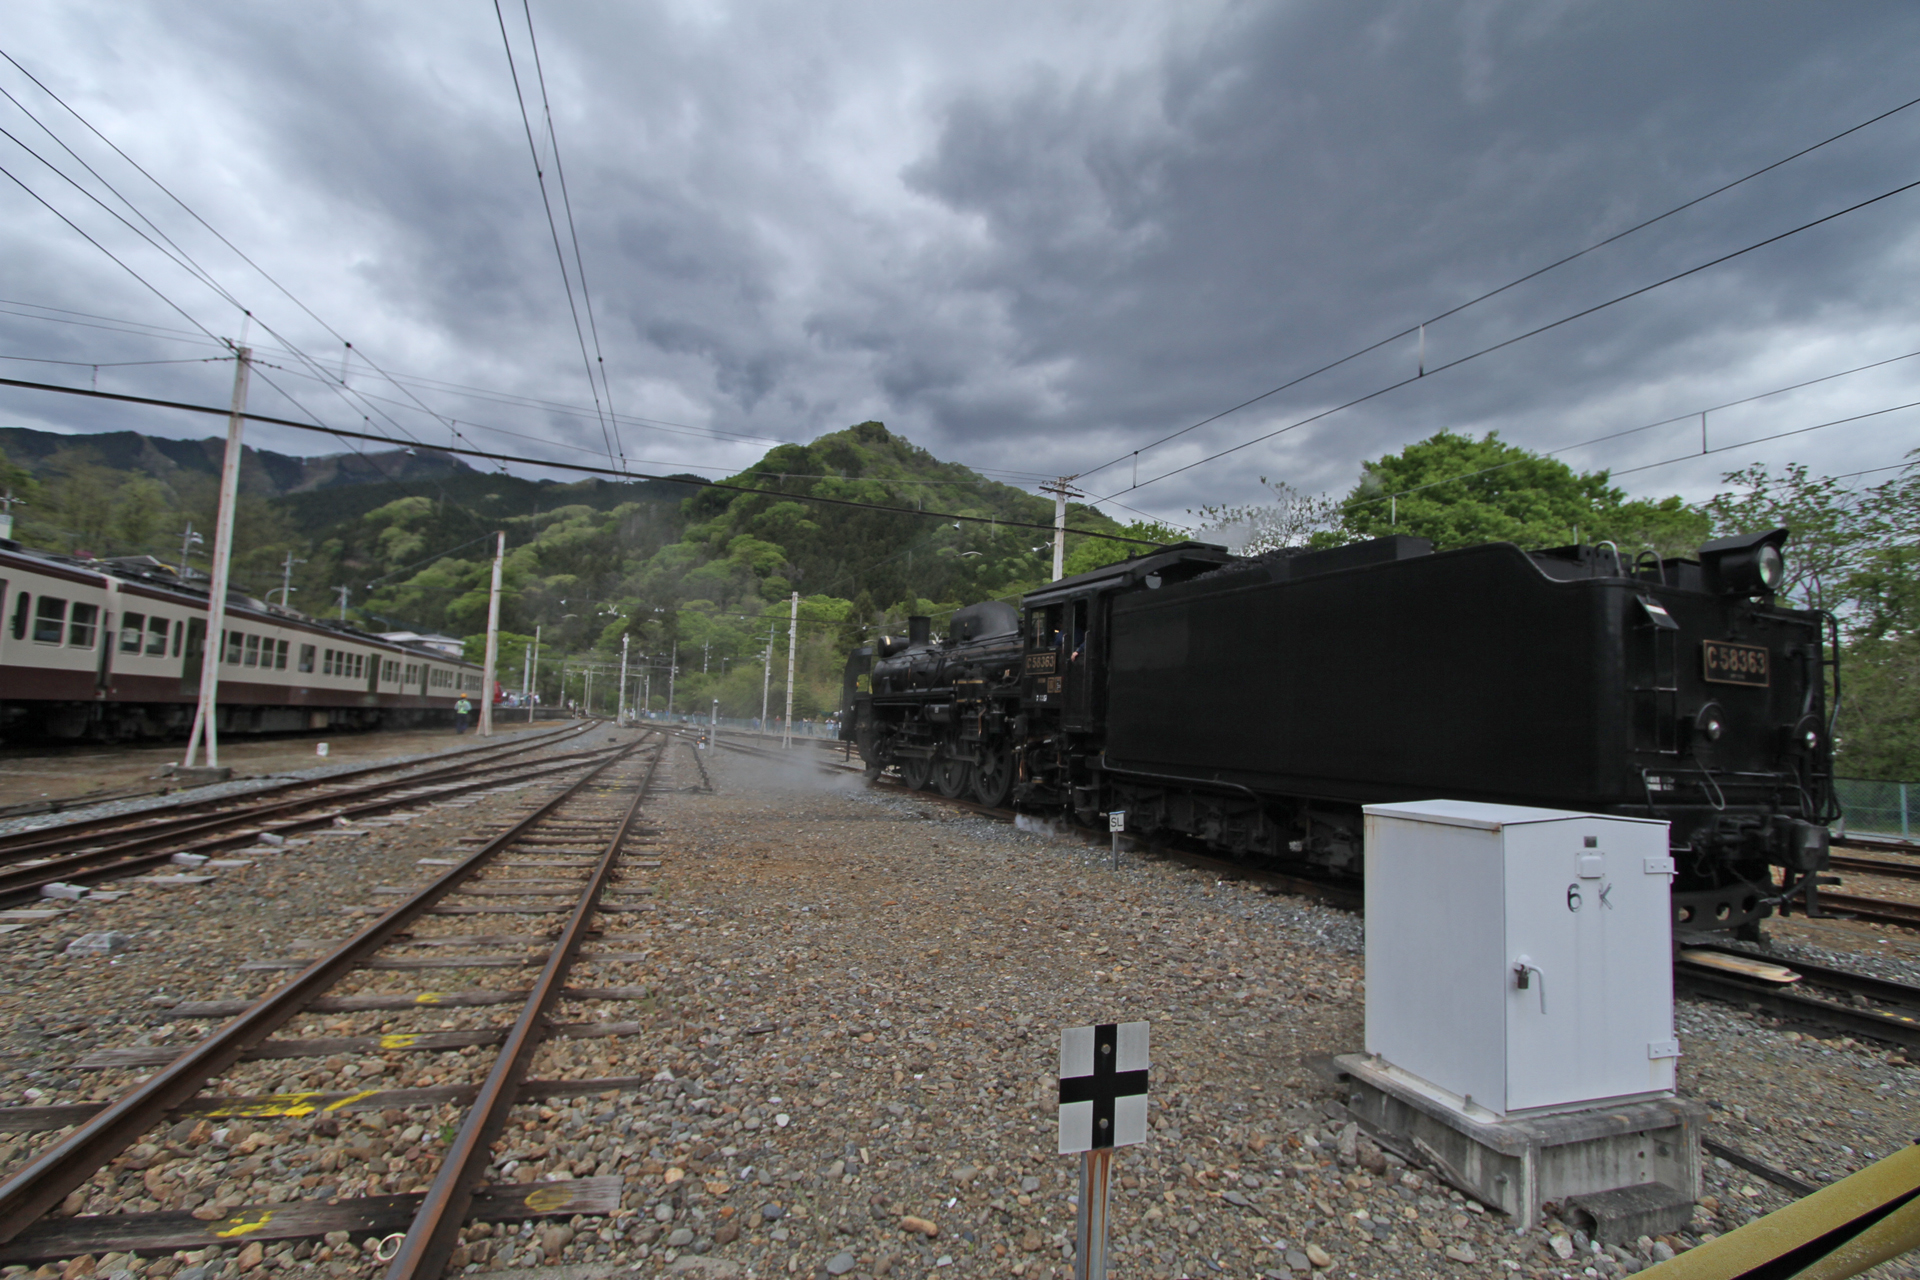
column 115, row 863
column 1882, row 989
column 436, row 1227
column 1877, row 910
column 1891, row 1028
column 1875, row 867
column 47, row 1179
column 189, row 817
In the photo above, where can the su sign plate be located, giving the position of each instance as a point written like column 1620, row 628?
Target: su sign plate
column 1103, row 1086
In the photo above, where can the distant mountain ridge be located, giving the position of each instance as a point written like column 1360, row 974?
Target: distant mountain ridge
column 262, row 471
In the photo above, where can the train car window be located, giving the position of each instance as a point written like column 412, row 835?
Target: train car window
column 133, row 631
column 280, row 656
column 157, row 628
column 326, row 662
column 236, row 645
column 49, row 621
column 82, row 626
column 253, row 652
column 359, row 666
column 20, row 604
column 179, row 637
column 306, row 658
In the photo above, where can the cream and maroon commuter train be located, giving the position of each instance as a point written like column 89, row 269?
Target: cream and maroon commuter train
column 113, row 649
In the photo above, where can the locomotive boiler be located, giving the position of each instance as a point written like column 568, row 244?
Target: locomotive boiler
column 1258, row 703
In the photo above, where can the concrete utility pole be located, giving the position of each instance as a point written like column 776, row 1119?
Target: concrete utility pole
column 766, row 680
column 489, row 679
column 188, row 541
column 621, row 715
column 673, row 669
column 1061, row 489
column 7, row 503
column 206, row 713
column 529, row 669
column 344, row 593
column 793, row 644
column 286, row 580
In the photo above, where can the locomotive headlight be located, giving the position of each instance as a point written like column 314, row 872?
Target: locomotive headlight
column 1748, row 565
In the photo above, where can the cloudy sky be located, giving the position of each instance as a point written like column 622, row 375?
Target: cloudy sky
column 1032, row 238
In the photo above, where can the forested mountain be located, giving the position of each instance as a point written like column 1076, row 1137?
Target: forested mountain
column 669, row 565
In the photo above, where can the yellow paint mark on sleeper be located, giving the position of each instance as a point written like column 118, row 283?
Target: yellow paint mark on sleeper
column 401, row 1040
column 427, row 997
column 242, row 1223
column 547, row 1199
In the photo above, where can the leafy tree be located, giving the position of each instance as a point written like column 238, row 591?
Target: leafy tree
column 1458, row 491
column 1878, row 730
column 1096, row 553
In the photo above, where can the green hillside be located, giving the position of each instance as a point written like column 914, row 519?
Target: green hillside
column 668, row 565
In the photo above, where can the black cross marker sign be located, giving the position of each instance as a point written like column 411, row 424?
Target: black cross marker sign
column 1103, row 1086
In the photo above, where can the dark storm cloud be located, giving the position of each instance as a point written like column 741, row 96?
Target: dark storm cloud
column 1030, row 238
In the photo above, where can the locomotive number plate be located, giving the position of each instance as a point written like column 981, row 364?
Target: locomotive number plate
column 1725, row 662
column 1040, row 663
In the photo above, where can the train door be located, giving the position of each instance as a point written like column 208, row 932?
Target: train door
column 192, row 656
column 373, row 673
column 1081, row 658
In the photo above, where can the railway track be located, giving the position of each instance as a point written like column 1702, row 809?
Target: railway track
column 565, row 873
column 1838, row 998
column 98, row 850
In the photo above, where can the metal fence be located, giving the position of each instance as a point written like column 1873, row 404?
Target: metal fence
column 1879, row 808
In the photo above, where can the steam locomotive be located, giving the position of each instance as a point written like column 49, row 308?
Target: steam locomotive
column 1257, row 703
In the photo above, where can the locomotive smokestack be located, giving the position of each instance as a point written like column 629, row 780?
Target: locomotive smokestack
column 919, row 631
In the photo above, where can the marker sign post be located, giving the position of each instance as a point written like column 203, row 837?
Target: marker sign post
column 1103, row 1105
column 1116, row 823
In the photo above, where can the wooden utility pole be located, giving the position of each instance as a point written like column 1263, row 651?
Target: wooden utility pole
column 488, row 678
column 206, row 713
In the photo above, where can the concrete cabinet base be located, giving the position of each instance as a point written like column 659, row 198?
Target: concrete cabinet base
column 1517, row 1164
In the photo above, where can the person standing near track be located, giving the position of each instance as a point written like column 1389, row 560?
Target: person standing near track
column 461, row 710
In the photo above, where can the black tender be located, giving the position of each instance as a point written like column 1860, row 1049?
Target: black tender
column 1257, row 703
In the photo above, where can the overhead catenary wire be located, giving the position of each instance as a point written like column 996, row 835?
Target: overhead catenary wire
column 546, row 203
column 1420, row 326
column 212, row 230
column 690, row 481
column 1522, row 337
column 573, row 232
column 1664, row 422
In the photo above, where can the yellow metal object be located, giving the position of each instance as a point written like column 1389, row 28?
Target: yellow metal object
column 242, row 1223
column 1838, row 1231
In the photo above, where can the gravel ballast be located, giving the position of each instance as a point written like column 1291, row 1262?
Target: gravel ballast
column 849, row 1039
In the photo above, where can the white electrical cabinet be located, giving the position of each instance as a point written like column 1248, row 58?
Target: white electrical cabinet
column 1520, row 960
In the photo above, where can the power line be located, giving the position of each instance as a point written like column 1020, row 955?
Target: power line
column 1531, row 333
column 1420, row 328
column 573, row 232
column 211, row 229
column 691, row 481
column 1664, row 422
column 546, row 203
